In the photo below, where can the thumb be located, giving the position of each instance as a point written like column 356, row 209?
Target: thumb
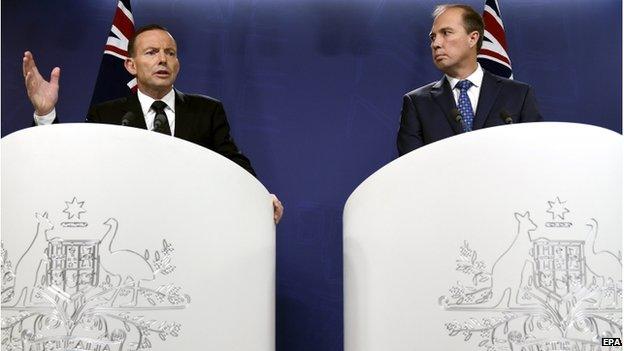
column 55, row 75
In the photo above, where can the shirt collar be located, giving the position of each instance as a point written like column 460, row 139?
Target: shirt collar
column 475, row 78
column 147, row 101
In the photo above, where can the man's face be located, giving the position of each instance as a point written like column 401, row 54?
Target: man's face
column 155, row 62
column 452, row 48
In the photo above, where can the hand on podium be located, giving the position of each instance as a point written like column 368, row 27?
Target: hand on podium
column 278, row 209
column 42, row 94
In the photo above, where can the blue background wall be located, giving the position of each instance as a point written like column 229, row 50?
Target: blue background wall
column 313, row 92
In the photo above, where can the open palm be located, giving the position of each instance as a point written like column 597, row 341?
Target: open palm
column 42, row 94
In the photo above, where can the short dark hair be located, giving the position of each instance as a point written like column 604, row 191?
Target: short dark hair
column 142, row 30
column 471, row 18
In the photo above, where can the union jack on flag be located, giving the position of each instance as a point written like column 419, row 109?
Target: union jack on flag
column 493, row 55
column 113, row 79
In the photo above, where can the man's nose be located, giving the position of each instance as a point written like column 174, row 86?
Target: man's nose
column 162, row 57
column 436, row 43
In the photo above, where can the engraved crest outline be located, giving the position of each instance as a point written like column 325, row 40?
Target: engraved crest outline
column 86, row 294
column 569, row 288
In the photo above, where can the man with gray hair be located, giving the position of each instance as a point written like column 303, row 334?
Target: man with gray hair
column 467, row 97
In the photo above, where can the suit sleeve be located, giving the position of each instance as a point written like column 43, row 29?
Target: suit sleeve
column 410, row 135
column 530, row 112
column 223, row 143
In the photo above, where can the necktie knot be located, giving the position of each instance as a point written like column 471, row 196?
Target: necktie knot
column 464, row 85
column 159, row 106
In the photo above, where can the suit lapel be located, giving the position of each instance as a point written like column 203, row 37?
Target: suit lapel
column 442, row 95
column 489, row 91
column 133, row 105
column 182, row 117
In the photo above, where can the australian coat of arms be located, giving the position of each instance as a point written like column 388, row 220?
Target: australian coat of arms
column 560, row 294
column 85, row 294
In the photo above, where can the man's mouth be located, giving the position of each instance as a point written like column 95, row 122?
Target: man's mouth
column 162, row 73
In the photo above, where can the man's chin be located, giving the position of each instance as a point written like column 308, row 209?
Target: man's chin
column 155, row 89
column 441, row 65
column 163, row 82
column 162, row 85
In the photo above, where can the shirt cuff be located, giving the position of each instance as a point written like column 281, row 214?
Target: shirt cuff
column 45, row 119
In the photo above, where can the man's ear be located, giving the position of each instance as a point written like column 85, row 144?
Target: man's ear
column 474, row 38
column 129, row 64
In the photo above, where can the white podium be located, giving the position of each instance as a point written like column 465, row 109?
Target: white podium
column 507, row 238
column 116, row 238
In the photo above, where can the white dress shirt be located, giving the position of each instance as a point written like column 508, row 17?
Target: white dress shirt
column 149, row 114
column 476, row 78
column 146, row 107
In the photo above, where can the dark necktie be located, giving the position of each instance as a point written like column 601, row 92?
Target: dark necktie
column 464, row 105
column 161, row 123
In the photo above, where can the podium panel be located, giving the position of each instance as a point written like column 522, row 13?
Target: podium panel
column 507, row 238
column 116, row 238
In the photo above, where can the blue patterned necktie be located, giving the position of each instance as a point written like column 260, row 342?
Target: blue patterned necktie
column 463, row 103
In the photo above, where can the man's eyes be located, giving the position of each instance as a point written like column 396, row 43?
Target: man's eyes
column 443, row 32
column 154, row 52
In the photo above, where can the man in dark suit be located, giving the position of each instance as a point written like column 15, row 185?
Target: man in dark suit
column 467, row 97
column 157, row 105
column 191, row 123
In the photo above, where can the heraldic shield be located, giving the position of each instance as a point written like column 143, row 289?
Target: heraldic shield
column 460, row 245
column 94, row 259
column 559, row 266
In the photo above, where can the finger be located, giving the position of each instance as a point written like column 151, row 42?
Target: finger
column 276, row 203
column 278, row 211
column 55, row 75
column 27, row 63
column 276, row 218
column 29, row 67
column 29, row 81
column 280, row 214
column 32, row 66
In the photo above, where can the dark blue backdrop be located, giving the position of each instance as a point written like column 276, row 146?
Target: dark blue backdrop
column 313, row 92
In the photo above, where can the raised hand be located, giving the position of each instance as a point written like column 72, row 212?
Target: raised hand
column 42, row 94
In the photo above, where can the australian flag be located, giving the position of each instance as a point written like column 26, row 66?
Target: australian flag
column 493, row 56
column 113, row 80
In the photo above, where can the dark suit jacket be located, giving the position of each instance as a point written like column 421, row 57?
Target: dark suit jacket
column 426, row 116
column 198, row 119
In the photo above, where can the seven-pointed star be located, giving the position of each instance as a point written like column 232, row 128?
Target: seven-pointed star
column 557, row 209
column 74, row 208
